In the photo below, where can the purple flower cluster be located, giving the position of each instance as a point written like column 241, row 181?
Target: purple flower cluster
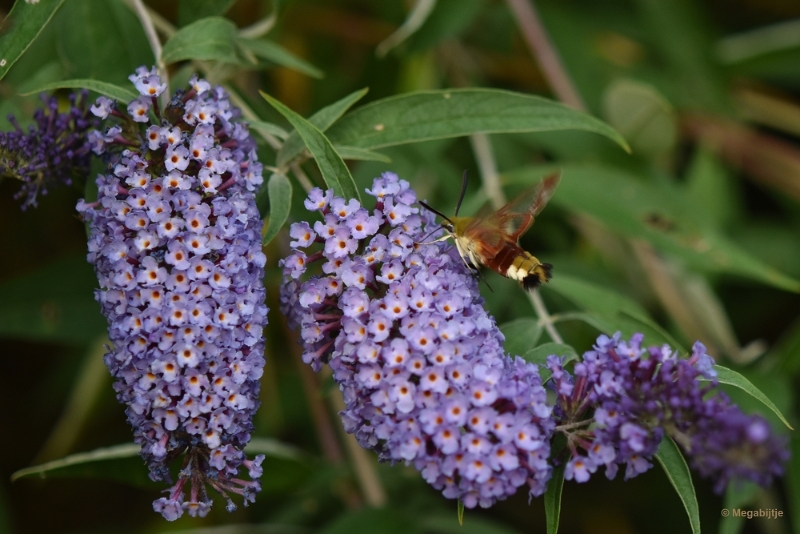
column 639, row 395
column 53, row 150
column 176, row 244
column 419, row 361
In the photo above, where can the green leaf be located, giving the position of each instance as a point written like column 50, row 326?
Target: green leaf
column 674, row 465
column 539, row 354
column 552, row 499
column 55, row 304
column 268, row 128
column 610, row 311
column 521, row 335
column 426, row 115
column 637, row 206
column 460, row 512
column 104, row 88
column 122, row 462
column 361, row 154
column 322, row 119
column 275, row 53
column 593, row 297
column 334, row 171
column 101, row 40
column 640, row 113
column 24, row 24
column 118, row 462
column 732, row 378
column 49, row 72
column 212, row 38
column 273, row 448
column 280, row 200
column 710, row 187
column 192, row 10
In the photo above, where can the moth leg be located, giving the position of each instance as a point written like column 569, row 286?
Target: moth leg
column 471, row 263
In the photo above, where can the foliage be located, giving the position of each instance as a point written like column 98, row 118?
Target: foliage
column 677, row 216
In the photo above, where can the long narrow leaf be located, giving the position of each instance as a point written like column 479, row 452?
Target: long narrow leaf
column 280, row 56
column 334, row 171
column 677, row 472
column 268, row 128
column 552, row 499
column 104, row 88
column 279, row 189
column 27, row 22
column 426, row 115
column 732, row 378
column 125, row 450
column 521, row 335
column 361, row 154
column 212, row 38
column 322, row 119
column 614, row 311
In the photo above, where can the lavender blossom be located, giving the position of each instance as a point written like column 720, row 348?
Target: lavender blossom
column 53, row 150
column 176, row 245
column 639, row 395
column 419, row 361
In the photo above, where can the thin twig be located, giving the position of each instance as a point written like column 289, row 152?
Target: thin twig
column 545, row 53
column 302, row 178
column 161, row 24
column 482, row 148
column 544, row 317
column 249, row 114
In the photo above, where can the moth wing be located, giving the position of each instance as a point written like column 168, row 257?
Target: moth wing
column 512, row 220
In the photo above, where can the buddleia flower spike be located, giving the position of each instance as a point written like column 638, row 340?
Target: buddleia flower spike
column 175, row 241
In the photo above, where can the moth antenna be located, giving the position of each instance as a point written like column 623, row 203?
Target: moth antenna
column 464, row 180
column 437, row 212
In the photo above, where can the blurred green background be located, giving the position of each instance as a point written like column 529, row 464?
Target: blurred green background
column 698, row 230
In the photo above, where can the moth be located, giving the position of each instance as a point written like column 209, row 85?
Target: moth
column 491, row 238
